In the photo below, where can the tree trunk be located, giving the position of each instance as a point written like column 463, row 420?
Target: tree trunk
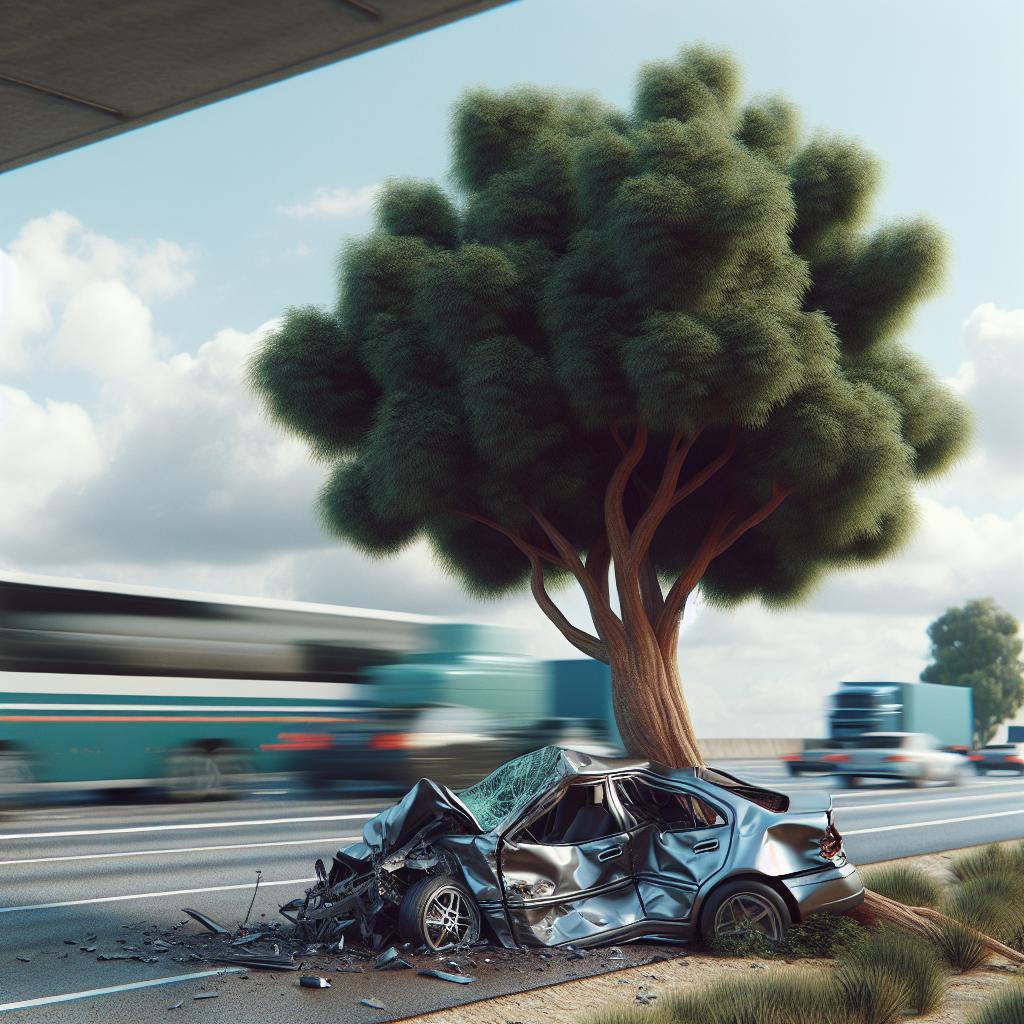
column 649, row 706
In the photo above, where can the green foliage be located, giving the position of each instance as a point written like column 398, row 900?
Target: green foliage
column 905, row 884
column 821, row 935
column 906, row 958
column 692, row 265
column 978, row 645
column 1006, row 1007
column 792, row 998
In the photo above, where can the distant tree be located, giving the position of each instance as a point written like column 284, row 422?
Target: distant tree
column 978, row 645
column 660, row 346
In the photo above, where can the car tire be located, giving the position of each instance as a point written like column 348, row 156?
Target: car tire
column 191, row 774
column 428, row 904
column 723, row 911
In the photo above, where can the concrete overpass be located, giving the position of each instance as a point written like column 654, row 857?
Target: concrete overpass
column 74, row 72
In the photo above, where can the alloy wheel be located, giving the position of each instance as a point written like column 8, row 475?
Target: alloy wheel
column 747, row 913
column 449, row 919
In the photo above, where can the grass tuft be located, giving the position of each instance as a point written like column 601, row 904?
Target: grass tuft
column 873, row 994
column 905, row 884
column 907, row 958
column 999, row 860
column 802, row 998
column 960, row 947
column 1007, row 1007
column 993, row 904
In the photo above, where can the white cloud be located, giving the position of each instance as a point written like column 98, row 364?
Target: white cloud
column 56, row 270
column 342, row 201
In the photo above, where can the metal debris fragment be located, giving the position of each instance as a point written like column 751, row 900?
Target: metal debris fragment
column 376, row 1004
column 245, row 940
column 458, row 979
column 176, row 1006
column 207, row 922
column 386, row 958
column 313, row 981
column 258, row 961
column 206, row 995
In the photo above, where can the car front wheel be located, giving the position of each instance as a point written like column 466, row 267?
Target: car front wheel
column 743, row 909
column 438, row 912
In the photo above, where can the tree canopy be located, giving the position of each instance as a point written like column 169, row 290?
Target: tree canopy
column 691, row 288
column 978, row 645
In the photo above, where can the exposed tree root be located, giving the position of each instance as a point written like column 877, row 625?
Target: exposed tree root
column 877, row 909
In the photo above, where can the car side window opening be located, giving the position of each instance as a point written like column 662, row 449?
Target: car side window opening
column 581, row 815
column 669, row 809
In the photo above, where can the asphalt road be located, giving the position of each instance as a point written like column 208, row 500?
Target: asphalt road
column 88, row 875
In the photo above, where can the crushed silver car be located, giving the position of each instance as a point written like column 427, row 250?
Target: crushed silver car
column 557, row 847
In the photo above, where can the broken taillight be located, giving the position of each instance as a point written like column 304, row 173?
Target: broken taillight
column 831, row 845
column 836, row 758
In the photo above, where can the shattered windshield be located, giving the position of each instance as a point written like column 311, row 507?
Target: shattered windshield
column 512, row 786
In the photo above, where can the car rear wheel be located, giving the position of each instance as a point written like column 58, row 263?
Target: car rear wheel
column 438, row 912
column 744, row 908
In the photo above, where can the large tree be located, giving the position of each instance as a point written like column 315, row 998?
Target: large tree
column 978, row 645
column 645, row 352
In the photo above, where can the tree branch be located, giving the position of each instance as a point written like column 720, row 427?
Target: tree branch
column 779, row 495
column 590, row 645
column 606, row 621
column 668, row 621
column 662, row 499
column 702, row 477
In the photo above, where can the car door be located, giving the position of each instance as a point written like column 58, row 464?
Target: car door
column 677, row 842
column 569, row 882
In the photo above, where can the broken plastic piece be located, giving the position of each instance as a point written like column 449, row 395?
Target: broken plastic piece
column 313, row 981
column 246, row 939
column 206, row 995
column 176, row 1006
column 458, row 979
column 207, row 922
column 376, row 1004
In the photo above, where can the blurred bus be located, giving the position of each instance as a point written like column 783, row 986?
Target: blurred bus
column 107, row 687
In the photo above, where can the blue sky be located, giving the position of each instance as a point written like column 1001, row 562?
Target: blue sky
column 131, row 449
column 935, row 88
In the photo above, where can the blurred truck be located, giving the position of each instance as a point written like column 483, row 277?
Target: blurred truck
column 945, row 712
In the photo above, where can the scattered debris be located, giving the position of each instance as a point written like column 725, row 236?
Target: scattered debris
column 206, row 995
column 207, row 922
column 257, row 961
column 458, row 979
column 71, row 942
column 246, row 940
column 25, row 959
column 313, row 981
column 92, row 949
column 176, row 1006
column 375, row 1004
column 615, row 953
column 386, row 958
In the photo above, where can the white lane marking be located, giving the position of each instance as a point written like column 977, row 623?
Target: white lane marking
column 177, row 849
column 964, row 797
column 269, row 792
column 65, row 997
column 174, row 707
column 924, row 824
column 183, row 827
column 147, row 895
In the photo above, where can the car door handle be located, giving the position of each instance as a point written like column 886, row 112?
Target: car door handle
column 706, row 846
column 610, row 853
